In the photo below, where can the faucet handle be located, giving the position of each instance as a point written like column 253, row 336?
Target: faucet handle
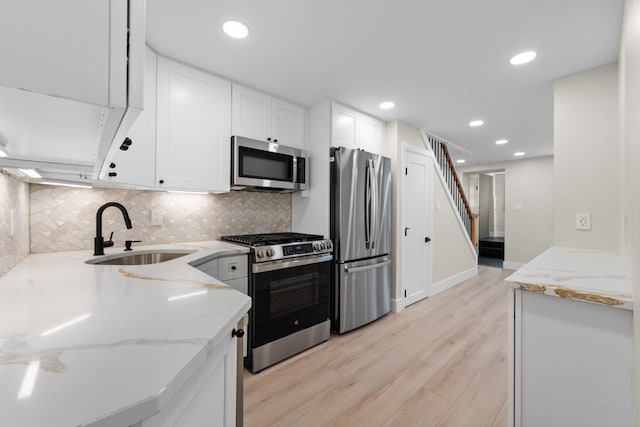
column 109, row 242
column 127, row 244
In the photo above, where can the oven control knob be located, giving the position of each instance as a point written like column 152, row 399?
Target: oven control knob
column 270, row 252
column 260, row 253
column 316, row 246
column 328, row 245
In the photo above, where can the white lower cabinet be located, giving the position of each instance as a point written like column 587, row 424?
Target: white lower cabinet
column 208, row 397
column 571, row 363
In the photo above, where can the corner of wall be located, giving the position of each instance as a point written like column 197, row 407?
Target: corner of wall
column 14, row 229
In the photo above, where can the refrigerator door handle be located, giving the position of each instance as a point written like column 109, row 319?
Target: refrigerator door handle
column 367, row 206
column 366, row 267
column 374, row 221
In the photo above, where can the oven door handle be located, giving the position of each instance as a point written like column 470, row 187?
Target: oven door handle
column 366, row 267
column 295, row 262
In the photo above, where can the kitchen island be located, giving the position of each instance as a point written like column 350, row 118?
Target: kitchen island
column 107, row 345
column 571, row 352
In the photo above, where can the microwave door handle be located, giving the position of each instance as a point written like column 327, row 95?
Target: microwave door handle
column 294, row 165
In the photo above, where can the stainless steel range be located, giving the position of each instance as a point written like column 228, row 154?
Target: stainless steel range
column 289, row 278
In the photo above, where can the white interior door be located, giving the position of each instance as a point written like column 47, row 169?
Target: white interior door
column 417, row 224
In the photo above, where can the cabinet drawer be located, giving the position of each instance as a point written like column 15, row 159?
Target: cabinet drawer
column 232, row 267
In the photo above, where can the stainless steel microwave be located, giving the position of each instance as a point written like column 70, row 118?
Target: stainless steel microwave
column 267, row 165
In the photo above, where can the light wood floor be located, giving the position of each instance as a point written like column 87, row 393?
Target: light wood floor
column 440, row 362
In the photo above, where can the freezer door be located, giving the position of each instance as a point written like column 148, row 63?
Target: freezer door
column 365, row 292
column 360, row 204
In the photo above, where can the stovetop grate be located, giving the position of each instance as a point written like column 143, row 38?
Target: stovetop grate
column 271, row 238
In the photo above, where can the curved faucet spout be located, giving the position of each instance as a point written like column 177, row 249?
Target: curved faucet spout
column 98, row 242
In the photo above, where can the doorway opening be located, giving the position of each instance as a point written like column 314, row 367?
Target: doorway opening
column 487, row 194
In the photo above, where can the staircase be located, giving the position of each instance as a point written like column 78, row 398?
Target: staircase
column 449, row 176
column 491, row 247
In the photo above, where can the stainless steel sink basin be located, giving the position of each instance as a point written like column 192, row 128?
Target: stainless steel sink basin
column 139, row 257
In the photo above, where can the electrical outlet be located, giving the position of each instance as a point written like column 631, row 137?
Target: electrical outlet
column 583, row 221
column 156, row 217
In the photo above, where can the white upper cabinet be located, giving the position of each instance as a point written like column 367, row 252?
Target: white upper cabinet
column 133, row 160
column 353, row 129
column 74, row 68
column 259, row 116
column 193, row 128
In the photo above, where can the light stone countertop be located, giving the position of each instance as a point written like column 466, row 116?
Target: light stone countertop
column 107, row 343
column 580, row 274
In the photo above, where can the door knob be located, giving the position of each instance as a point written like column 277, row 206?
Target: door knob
column 427, row 239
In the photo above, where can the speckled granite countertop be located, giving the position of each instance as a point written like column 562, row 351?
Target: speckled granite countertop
column 81, row 343
column 580, row 274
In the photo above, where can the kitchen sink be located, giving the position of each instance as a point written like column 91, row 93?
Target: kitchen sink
column 140, row 257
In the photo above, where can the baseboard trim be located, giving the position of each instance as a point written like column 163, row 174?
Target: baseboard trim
column 510, row 265
column 450, row 282
column 397, row 305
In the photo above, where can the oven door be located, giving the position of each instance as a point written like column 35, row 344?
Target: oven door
column 289, row 296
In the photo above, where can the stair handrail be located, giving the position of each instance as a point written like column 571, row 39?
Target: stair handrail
column 442, row 156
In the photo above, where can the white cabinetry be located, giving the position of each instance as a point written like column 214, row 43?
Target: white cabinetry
column 353, row 129
column 259, row 116
column 70, row 81
column 208, row 397
column 193, row 128
column 133, row 161
column 571, row 361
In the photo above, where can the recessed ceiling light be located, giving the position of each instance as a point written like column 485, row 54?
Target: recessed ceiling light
column 519, row 153
column 235, row 29
column 460, row 161
column 523, row 58
column 32, row 173
column 502, row 141
column 387, row 105
column 476, row 123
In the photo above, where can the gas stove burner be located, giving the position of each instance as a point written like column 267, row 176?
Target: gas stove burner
column 271, row 238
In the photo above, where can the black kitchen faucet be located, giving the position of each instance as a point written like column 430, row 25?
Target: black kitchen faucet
column 98, row 243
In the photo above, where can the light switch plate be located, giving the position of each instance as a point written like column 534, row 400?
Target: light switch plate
column 583, row 221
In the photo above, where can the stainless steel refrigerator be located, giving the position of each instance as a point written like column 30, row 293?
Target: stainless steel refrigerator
column 361, row 234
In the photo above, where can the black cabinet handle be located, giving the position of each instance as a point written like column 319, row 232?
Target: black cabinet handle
column 405, row 230
column 275, row 140
column 237, row 333
column 112, row 165
column 112, row 174
column 161, row 181
column 269, row 139
column 233, row 267
column 125, row 144
column 427, row 239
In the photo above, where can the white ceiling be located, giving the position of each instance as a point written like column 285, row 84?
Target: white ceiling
column 443, row 63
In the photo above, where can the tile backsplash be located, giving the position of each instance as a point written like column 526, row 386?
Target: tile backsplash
column 64, row 219
column 14, row 196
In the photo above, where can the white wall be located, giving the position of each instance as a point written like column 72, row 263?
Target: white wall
column 498, row 193
column 629, row 72
column 528, row 222
column 452, row 256
column 586, row 158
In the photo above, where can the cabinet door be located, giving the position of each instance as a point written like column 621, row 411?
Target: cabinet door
column 371, row 135
column 251, row 114
column 287, row 123
column 343, row 126
column 137, row 165
column 193, row 128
